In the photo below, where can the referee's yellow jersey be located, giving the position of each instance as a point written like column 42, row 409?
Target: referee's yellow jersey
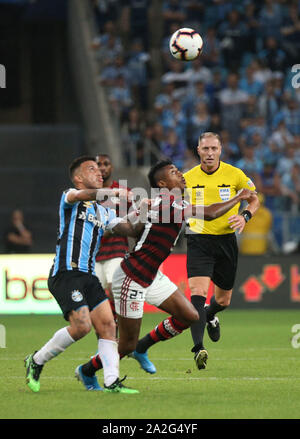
column 221, row 185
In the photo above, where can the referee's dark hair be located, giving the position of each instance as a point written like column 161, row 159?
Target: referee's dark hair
column 209, row 134
column 155, row 169
column 77, row 162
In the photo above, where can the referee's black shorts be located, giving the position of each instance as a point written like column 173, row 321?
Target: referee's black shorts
column 74, row 289
column 215, row 256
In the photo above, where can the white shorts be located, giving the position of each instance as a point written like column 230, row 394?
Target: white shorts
column 129, row 296
column 105, row 270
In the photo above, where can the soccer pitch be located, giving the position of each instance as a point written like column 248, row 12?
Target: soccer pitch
column 253, row 372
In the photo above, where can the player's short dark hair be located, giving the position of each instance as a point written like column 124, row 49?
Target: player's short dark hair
column 77, row 162
column 152, row 175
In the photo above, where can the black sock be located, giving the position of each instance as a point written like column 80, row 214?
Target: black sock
column 144, row 344
column 197, row 328
column 90, row 368
column 213, row 308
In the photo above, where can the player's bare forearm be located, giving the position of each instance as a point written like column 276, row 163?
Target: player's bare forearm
column 125, row 228
column 216, row 210
column 253, row 204
column 100, row 195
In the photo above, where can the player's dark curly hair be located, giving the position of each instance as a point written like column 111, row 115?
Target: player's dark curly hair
column 152, row 175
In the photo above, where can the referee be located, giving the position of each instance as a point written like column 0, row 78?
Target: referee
column 212, row 252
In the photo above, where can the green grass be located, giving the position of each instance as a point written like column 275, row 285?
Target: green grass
column 253, row 372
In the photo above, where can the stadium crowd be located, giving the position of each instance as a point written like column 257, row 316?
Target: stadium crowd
column 242, row 86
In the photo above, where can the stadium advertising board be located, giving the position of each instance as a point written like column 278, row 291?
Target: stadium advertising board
column 261, row 283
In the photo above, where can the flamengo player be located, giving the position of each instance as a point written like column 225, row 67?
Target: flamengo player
column 138, row 278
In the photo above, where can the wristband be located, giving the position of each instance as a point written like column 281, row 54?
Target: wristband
column 247, row 215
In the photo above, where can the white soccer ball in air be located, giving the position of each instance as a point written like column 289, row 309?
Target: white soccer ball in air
column 186, row 44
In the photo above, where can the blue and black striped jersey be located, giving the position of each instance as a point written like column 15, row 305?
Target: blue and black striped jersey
column 81, row 227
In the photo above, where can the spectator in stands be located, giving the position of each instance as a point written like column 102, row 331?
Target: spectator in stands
column 173, row 148
column 178, row 76
column 194, row 11
column 268, row 103
column 232, row 102
column 138, row 20
column 107, row 52
column 287, row 160
column 290, row 187
column 272, row 56
column 211, row 49
column 200, row 121
column 17, row 237
column 256, row 126
column 230, row 150
column 252, row 26
column 270, row 19
column 281, row 136
column 215, row 123
column 249, row 84
column 248, row 163
column 120, row 98
column 250, row 112
column 111, row 72
column 173, row 11
column 268, row 182
column 198, row 72
column 175, row 118
column 262, row 151
column 261, row 73
column 195, row 94
column 232, row 35
column 164, row 99
column 132, row 135
column 105, row 11
column 257, row 238
column 291, row 116
column 216, row 84
column 138, row 65
column 290, row 32
column 150, row 152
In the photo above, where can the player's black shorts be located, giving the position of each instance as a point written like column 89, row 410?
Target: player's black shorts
column 215, row 256
column 74, row 289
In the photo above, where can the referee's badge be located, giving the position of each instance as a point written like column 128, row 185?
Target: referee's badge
column 224, row 193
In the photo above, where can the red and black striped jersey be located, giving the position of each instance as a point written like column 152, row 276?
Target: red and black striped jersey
column 114, row 246
column 157, row 239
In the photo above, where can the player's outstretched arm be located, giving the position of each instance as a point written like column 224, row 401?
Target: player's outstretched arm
column 100, row 195
column 215, row 210
column 133, row 223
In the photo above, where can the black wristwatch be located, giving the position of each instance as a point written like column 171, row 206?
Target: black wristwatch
column 247, row 215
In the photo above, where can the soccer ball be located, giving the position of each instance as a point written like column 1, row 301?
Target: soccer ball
column 186, row 44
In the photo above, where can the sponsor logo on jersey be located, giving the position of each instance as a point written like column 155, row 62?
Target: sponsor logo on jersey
column 91, row 218
column 77, row 296
column 224, row 193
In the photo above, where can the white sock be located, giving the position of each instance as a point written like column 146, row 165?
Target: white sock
column 55, row 346
column 108, row 351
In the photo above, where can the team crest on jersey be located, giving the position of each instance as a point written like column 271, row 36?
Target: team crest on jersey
column 224, row 193
column 87, row 204
column 76, row 296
